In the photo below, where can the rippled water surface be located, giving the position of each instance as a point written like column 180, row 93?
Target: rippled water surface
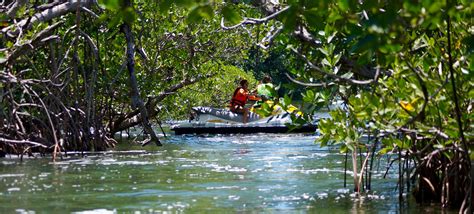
column 220, row 174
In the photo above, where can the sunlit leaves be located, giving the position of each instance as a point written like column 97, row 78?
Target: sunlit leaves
column 185, row 3
column 111, row 4
column 214, row 91
column 314, row 19
column 338, row 130
column 344, row 5
column 128, row 15
column 289, row 18
column 286, row 100
column 118, row 12
column 308, row 96
column 231, row 15
column 407, row 106
column 2, row 56
column 469, row 42
column 199, row 13
column 164, row 6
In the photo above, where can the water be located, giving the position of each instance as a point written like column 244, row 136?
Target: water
column 216, row 174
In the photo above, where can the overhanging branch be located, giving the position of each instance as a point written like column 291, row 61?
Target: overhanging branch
column 323, row 84
column 39, row 40
column 253, row 21
column 133, row 118
column 46, row 15
column 337, row 77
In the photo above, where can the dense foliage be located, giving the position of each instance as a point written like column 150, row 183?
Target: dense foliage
column 84, row 71
column 404, row 72
column 75, row 73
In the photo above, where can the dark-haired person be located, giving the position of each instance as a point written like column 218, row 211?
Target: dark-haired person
column 239, row 99
column 266, row 90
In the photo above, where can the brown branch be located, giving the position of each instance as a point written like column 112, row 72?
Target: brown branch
column 136, row 101
column 182, row 84
column 53, row 130
column 13, row 9
column 46, row 15
column 90, row 12
column 267, row 41
column 337, row 77
column 362, row 71
column 22, row 142
column 91, row 43
column 466, row 206
column 39, row 40
column 253, row 21
column 323, row 84
column 133, row 119
column 301, row 31
column 303, row 34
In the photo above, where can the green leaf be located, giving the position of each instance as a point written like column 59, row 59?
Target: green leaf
column 185, row 3
column 286, row 100
column 2, row 56
column 199, row 13
column 326, row 62
column 367, row 42
column 324, row 51
column 331, row 37
column 231, row 15
column 350, row 146
column 165, row 6
column 129, row 15
column 289, row 18
column 323, row 142
column 309, row 96
column 343, row 149
column 343, row 5
column 347, row 75
column 469, row 42
column 115, row 21
column 3, row 19
column 110, row 4
column 313, row 18
column 385, row 150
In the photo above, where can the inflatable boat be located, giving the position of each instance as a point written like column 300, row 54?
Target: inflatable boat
column 209, row 120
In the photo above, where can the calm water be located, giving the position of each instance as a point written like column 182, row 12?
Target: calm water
column 218, row 174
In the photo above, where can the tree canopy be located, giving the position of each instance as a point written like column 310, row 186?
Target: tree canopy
column 74, row 73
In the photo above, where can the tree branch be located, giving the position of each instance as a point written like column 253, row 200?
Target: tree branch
column 253, row 21
column 22, row 142
column 11, row 12
column 46, row 15
column 132, row 119
column 323, row 84
column 334, row 76
column 39, row 40
column 136, row 101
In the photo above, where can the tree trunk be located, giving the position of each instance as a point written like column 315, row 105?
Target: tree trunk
column 136, row 101
column 132, row 119
column 354, row 169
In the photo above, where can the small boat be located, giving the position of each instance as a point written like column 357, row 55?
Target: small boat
column 209, row 120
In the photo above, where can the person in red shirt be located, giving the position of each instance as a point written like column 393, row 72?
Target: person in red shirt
column 239, row 99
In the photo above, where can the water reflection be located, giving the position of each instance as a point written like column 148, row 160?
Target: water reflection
column 257, row 173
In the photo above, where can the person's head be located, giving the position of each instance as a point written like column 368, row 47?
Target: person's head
column 244, row 83
column 267, row 79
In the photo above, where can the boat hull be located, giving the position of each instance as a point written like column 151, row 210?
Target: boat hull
column 208, row 120
column 249, row 129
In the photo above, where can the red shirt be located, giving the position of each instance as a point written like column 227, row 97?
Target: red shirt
column 240, row 97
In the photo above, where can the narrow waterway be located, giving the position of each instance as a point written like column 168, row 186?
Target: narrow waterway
column 219, row 174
